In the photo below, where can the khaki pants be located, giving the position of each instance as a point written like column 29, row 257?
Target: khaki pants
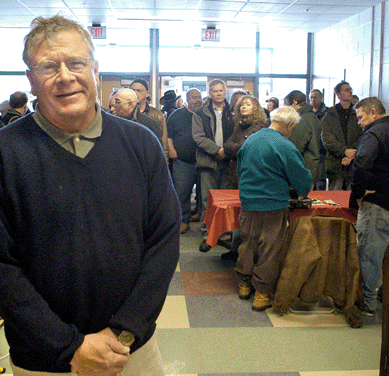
column 146, row 361
column 261, row 252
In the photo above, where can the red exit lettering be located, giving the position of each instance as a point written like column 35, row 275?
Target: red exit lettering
column 211, row 34
column 97, row 32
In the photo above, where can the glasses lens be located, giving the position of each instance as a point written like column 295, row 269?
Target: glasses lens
column 47, row 68
column 77, row 64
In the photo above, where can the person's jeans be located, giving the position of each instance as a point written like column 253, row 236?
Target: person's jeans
column 373, row 239
column 184, row 178
column 321, row 185
column 339, row 184
column 213, row 179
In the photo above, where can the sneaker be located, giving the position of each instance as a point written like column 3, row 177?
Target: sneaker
column 245, row 290
column 261, row 302
column 184, row 228
column 368, row 313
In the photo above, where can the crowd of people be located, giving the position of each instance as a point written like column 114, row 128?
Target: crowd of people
column 98, row 202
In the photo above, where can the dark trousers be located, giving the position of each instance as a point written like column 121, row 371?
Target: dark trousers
column 261, row 252
column 384, row 364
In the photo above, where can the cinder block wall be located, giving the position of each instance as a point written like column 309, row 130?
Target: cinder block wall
column 356, row 49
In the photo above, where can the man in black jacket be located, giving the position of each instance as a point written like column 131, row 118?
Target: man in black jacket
column 370, row 191
column 182, row 151
column 340, row 136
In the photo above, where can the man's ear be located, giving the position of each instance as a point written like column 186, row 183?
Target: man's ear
column 31, row 78
column 374, row 113
column 96, row 72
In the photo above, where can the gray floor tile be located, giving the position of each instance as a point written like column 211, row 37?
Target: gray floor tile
column 223, row 311
column 175, row 287
column 210, row 261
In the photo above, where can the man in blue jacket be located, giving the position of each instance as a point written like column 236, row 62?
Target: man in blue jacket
column 370, row 194
column 89, row 222
column 268, row 165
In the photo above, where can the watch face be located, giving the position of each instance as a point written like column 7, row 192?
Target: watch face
column 126, row 338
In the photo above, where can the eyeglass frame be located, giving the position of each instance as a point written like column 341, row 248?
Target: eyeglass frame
column 58, row 66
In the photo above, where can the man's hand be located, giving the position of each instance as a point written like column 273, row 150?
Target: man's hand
column 346, row 161
column 173, row 154
column 350, row 153
column 100, row 354
column 220, row 154
column 359, row 201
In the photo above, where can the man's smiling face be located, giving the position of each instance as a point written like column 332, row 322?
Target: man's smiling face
column 65, row 97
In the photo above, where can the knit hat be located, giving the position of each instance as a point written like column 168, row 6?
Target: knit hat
column 140, row 81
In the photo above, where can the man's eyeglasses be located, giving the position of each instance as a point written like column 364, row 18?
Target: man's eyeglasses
column 49, row 68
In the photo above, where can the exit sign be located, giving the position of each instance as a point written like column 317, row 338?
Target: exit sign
column 98, row 32
column 210, row 35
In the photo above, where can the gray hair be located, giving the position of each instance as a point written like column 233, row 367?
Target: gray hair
column 191, row 90
column 46, row 28
column 214, row 82
column 285, row 115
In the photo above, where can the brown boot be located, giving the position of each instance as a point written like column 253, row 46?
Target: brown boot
column 245, row 290
column 261, row 302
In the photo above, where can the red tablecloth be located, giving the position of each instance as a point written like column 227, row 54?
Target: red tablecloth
column 223, row 208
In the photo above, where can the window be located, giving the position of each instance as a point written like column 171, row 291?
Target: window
column 283, row 52
column 124, row 50
column 185, row 52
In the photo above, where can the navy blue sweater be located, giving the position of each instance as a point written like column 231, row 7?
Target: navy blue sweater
column 84, row 243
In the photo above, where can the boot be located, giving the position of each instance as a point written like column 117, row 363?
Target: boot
column 245, row 290
column 261, row 302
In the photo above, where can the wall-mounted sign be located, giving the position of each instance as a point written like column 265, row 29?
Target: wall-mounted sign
column 210, row 35
column 98, row 32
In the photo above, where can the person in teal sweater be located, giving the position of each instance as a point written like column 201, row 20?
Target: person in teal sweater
column 268, row 166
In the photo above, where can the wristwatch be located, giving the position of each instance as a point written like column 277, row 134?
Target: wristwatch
column 125, row 338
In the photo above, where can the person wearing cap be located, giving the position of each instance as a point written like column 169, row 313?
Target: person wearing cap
column 168, row 101
column 141, row 89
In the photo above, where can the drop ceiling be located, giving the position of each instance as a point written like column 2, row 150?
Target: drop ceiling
column 310, row 16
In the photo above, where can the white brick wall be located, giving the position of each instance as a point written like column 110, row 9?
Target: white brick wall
column 348, row 45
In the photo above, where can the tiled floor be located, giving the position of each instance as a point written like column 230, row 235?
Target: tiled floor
column 206, row 330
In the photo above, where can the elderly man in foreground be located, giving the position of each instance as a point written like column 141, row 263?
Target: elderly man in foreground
column 89, row 222
column 268, row 165
column 370, row 194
